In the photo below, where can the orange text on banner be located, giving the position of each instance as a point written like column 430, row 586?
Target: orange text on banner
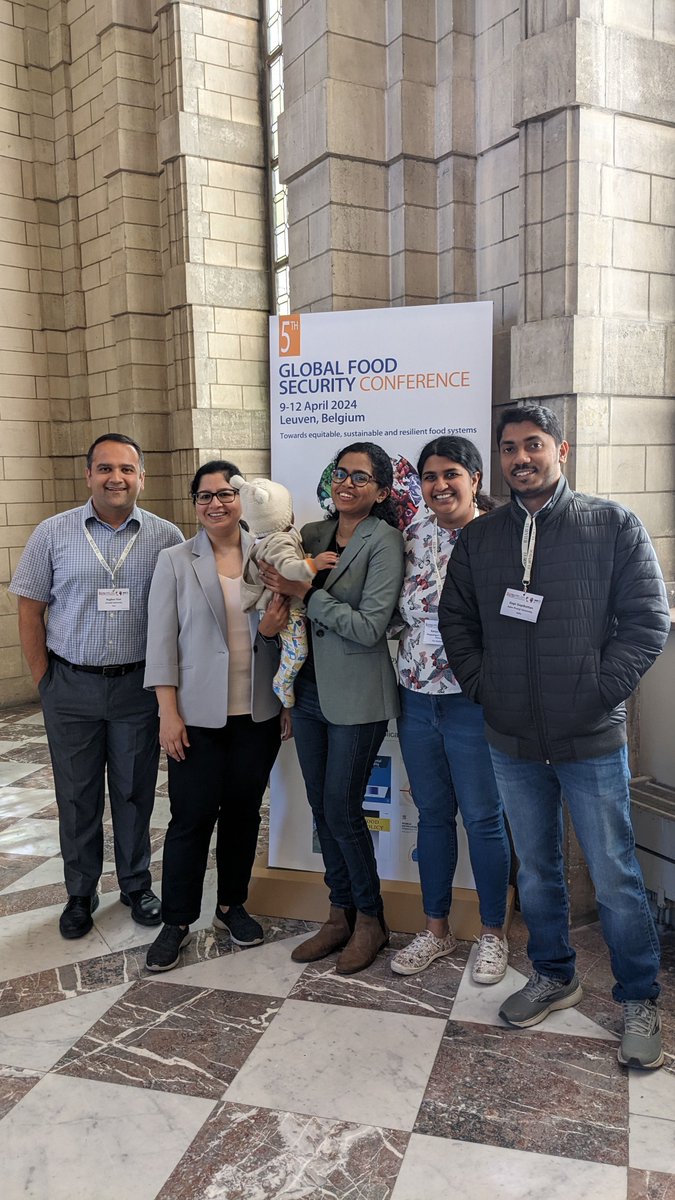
column 289, row 336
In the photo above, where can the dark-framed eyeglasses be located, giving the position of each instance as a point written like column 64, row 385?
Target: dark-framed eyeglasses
column 225, row 496
column 358, row 478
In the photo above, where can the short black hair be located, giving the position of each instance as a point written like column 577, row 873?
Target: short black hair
column 217, row 466
column 544, row 418
column 115, row 437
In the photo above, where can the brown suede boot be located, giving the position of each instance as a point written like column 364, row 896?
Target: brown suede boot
column 333, row 935
column 370, row 935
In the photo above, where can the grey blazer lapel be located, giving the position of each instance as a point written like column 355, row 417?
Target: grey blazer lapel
column 204, row 565
column 355, row 544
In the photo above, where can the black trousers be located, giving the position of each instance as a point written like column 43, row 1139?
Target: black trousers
column 220, row 782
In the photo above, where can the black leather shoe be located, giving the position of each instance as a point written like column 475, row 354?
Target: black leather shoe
column 145, row 906
column 75, row 920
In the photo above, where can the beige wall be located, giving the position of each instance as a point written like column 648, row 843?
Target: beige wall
column 447, row 150
column 133, row 276
column 435, row 151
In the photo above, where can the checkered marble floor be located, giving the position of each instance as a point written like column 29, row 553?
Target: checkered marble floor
column 241, row 1076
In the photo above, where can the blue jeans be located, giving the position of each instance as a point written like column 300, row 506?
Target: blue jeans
column 448, row 764
column 598, row 801
column 336, row 762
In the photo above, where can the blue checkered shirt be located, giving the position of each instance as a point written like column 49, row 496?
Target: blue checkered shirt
column 60, row 568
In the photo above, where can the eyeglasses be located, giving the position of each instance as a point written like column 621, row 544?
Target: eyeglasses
column 358, row 478
column 225, row 496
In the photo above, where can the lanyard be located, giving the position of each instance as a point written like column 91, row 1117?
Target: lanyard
column 434, row 552
column 527, row 549
column 434, row 555
column 112, row 571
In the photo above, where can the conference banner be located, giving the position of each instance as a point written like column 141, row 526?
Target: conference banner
column 398, row 377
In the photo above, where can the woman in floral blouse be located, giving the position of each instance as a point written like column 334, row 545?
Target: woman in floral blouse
column 441, row 732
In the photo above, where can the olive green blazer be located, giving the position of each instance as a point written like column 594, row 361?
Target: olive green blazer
column 354, row 673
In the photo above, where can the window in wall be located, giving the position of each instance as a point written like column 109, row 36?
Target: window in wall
column 278, row 194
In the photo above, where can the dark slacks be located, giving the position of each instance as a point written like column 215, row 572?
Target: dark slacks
column 96, row 725
column 220, row 782
column 336, row 762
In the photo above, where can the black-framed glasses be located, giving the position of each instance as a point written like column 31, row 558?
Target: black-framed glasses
column 225, row 496
column 358, row 478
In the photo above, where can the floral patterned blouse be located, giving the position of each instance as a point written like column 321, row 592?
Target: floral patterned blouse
column 422, row 665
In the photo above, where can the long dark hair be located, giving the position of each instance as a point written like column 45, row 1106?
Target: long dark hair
column 459, row 450
column 218, row 466
column 383, row 473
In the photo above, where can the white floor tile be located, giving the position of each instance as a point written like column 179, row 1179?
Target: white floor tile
column 31, row 942
column 11, row 771
column 37, row 1039
column 31, row 836
column 161, row 813
column 651, row 1144
column 348, row 1063
column 262, row 970
column 491, row 1173
column 79, row 1139
column 23, row 802
column 652, row 1093
column 113, row 919
column 7, row 746
column 480, row 1005
column 47, row 873
column 30, row 722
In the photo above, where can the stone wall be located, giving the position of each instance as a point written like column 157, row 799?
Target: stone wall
column 435, row 151
column 441, row 150
column 133, row 264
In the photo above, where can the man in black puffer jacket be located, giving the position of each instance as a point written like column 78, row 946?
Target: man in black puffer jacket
column 553, row 609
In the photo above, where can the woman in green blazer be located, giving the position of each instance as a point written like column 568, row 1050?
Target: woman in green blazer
column 346, row 693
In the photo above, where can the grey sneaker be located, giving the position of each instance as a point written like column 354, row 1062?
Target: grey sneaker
column 641, row 1042
column 538, row 998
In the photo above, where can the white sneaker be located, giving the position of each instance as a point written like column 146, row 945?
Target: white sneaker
column 492, row 959
column 421, row 952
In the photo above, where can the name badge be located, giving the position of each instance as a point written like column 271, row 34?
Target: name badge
column 524, row 606
column 113, row 599
column 432, row 634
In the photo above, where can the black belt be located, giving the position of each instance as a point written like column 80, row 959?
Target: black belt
column 110, row 672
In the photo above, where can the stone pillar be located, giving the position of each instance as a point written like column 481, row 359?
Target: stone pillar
column 216, row 284
column 134, row 288
column 595, row 334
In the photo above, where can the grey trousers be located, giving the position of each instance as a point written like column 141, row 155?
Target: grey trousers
column 96, row 724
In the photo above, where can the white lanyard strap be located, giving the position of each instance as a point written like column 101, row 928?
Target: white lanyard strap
column 527, row 549
column 112, row 571
column 434, row 555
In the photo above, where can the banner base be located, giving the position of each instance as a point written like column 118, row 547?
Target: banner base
column 302, row 896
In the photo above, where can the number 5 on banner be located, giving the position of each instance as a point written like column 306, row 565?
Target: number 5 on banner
column 289, row 336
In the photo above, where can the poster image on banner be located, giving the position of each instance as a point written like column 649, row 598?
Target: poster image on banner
column 398, row 377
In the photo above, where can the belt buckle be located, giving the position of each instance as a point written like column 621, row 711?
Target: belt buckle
column 109, row 672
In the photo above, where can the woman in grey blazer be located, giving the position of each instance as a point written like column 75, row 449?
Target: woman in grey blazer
column 211, row 666
column 346, row 693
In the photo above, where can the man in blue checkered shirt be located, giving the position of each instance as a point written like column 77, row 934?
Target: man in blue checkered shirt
column 89, row 569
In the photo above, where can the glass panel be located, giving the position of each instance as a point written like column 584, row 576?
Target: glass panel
column 279, row 205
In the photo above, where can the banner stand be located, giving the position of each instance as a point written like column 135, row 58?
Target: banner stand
column 302, row 895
